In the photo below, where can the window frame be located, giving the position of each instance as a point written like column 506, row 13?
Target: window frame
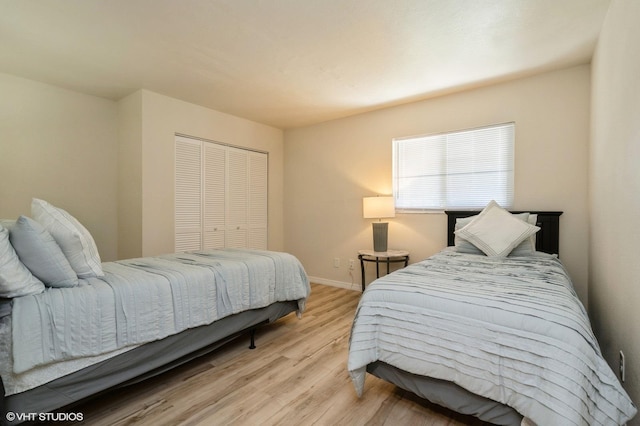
column 506, row 199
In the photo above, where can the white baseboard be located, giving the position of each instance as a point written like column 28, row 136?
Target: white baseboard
column 333, row 283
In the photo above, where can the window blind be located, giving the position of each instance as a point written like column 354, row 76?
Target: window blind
column 456, row 170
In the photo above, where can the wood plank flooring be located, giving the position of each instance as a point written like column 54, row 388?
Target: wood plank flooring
column 296, row 375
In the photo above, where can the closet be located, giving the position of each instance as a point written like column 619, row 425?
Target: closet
column 220, row 196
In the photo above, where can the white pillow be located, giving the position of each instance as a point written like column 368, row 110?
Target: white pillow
column 15, row 278
column 76, row 242
column 40, row 253
column 528, row 246
column 8, row 224
column 496, row 231
column 464, row 246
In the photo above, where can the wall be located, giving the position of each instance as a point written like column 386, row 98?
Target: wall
column 331, row 166
column 614, row 181
column 161, row 117
column 110, row 164
column 130, row 176
column 60, row 146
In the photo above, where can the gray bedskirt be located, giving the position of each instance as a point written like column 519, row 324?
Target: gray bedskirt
column 447, row 394
column 138, row 364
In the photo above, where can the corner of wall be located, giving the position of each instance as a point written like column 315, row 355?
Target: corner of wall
column 130, row 176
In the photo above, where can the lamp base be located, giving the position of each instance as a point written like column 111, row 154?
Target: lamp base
column 380, row 232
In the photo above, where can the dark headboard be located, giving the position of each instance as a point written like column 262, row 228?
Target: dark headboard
column 546, row 239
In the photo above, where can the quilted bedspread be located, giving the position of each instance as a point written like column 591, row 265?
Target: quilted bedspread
column 147, row 299
column 510, row 329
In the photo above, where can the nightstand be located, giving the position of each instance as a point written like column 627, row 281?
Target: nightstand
column 388, row 257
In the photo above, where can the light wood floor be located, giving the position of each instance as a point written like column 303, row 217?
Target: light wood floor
column 296, row 375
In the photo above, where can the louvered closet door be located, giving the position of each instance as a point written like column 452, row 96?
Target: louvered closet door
column 237, row 198
column 258, row 187
column 188, row 186
column 214, row 170
column 221, row 196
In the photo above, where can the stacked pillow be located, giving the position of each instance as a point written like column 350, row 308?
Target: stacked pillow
column 496, row 232
column 15, row 278
column 75, row 241
column 52, row 249
column 40, row 253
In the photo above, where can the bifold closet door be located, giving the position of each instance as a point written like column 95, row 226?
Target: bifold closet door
column 188, row 195
column 213, row 203
column 221, row 196
column 257, row 220
column 237, row 198
column 246, row 199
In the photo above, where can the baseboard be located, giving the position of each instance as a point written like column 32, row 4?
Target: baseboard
column 333, row 283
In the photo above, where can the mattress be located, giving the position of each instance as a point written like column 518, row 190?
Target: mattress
column 508, row 329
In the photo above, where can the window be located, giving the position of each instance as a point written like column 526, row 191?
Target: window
column 457, row 170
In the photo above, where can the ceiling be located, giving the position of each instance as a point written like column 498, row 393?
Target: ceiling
column 290, row 63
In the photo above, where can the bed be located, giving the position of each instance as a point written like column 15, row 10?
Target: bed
column 110, row 324
column 500, row 337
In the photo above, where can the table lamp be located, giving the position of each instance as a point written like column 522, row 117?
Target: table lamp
column 378, row 208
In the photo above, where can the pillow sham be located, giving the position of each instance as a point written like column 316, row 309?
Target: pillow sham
column 76, row 242
column 464, row 246
column 15, row 278
column 528, row 246
column 496, row 231
column 40, row 253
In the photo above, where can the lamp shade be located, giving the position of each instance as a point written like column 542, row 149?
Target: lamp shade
column 378, row 207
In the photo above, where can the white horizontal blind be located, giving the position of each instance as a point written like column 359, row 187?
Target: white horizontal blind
column 463, row 169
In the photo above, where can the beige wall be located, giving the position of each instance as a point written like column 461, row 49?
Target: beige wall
column 60, row 146
column 110, row 164
column 130, row 176
column 614, row 276
column 329, row 168
column 161, row 117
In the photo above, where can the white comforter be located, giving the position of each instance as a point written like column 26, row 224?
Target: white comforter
column 511, row 330
column 147, row 299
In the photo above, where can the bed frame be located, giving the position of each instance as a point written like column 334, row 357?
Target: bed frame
column 141, row 363
column 448, row 394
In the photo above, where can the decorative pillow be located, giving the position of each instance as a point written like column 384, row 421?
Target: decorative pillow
column 8, row 224
column 528, row 246
column 496, row 231
column 40, row 253
column 464, row 246
column 15, row 278
column 76, row 242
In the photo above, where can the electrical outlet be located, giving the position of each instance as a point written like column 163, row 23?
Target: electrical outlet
column 621, row 366
column 336, row 262
column 352, row 264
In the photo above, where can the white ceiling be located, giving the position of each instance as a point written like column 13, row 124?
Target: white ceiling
column 289, row 63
